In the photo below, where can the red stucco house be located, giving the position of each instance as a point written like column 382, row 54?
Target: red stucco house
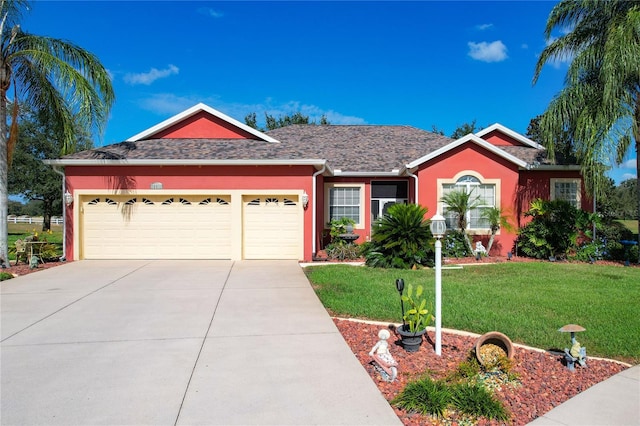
column 202, row 185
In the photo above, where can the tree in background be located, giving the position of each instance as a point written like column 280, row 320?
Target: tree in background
column 272, row 122
column 600, row 103
column 464, row 129
column 564, row 151
column 31, row 178
column 56, row 78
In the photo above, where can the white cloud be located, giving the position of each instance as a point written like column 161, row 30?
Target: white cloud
column 239, row 111
column 488, row 52
column 524, row 46
column 483, row 27
column 630, row 164
column 627, row 176
column 167, row 104
column 149, row 77
column 207, row 11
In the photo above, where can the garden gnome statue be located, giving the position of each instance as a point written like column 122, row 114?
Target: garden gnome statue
column 382, row 359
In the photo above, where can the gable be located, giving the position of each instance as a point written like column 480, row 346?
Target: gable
column 201, row 122
column 498, row 138
column 498, row 135
column 202, row 126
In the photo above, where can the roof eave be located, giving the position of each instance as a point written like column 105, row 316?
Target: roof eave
column 317, row 163
column 554, row 167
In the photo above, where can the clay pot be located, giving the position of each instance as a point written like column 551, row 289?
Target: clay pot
column 494, row 338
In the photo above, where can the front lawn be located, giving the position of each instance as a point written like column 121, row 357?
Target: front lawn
column 528, row 302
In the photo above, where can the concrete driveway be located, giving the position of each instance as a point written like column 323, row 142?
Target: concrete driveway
column 177, row 342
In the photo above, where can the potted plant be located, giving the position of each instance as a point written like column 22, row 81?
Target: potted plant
column 414, row 319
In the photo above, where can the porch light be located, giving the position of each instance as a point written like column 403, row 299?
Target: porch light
column 305, row 199
column 438, row 226
column 68, row 198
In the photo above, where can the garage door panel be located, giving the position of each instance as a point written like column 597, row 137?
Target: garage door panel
column 157, row 227
column 272, row 227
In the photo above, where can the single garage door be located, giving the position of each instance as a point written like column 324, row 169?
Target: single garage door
column 156, row 227
column 272, row 227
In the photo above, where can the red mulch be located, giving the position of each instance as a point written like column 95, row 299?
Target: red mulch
column 545, row 381
column 24, row 269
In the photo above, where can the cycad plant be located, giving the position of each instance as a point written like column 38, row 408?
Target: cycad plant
column 401, row 238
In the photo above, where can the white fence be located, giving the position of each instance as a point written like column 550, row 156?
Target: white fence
column 55, row 220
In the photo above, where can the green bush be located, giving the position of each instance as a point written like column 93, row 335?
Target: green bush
column 400, row 239
column 476, row 401
column 425, row 397
column 454, row 245
column 555, row 229
column 5, row 276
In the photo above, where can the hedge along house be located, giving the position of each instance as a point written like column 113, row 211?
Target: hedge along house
column 202, row 185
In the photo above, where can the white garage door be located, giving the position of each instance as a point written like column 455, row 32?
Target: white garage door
column 156, row 227
column 272, row 227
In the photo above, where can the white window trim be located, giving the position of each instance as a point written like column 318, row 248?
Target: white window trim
column 327, row 189
column 578, row 182
column 496, row 182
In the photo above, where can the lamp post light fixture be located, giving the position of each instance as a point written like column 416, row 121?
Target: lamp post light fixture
column 305, row 199
column 68, row 198
column 400, row 288
column 438, row 228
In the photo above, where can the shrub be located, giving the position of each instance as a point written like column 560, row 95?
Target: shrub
column 454, row 245
column 400, row 239
column 425, row 397
column 343, row 251
column 475, row 400
column 5, row 276
column 555, row 229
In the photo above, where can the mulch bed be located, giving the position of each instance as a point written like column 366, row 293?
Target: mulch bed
column 24, row 269
column 544, row 381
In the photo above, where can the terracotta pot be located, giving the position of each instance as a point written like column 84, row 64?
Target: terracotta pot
column 411, row 341
column 495, row 338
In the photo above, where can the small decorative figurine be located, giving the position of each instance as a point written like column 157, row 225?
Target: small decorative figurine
column 382, row 358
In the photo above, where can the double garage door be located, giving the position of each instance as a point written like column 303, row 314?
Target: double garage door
column 181, row 226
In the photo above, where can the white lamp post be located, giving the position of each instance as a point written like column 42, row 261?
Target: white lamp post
column 438, row 227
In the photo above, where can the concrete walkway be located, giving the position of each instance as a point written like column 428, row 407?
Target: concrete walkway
column 177, row 342
column 615, row 401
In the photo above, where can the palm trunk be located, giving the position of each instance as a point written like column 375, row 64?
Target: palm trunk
column 4, row 182
column 490, row 243
column 636, row 136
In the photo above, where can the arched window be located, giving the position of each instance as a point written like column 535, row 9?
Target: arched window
column 483, row 196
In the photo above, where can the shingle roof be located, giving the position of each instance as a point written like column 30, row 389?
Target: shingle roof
column 348, row 148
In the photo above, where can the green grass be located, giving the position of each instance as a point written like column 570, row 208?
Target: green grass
column 528, row 302
column 18, row 231
column 632, row 225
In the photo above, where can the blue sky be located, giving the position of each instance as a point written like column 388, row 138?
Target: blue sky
column 420, row 63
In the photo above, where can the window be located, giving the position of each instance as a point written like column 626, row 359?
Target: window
column 567, row 190
column 385, row 194
column 484, row 193
column 344, row 201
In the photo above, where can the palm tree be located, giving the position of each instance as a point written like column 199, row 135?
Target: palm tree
column 496, row 221
column 600, row 103
column 460, row 203
column 54, row 77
